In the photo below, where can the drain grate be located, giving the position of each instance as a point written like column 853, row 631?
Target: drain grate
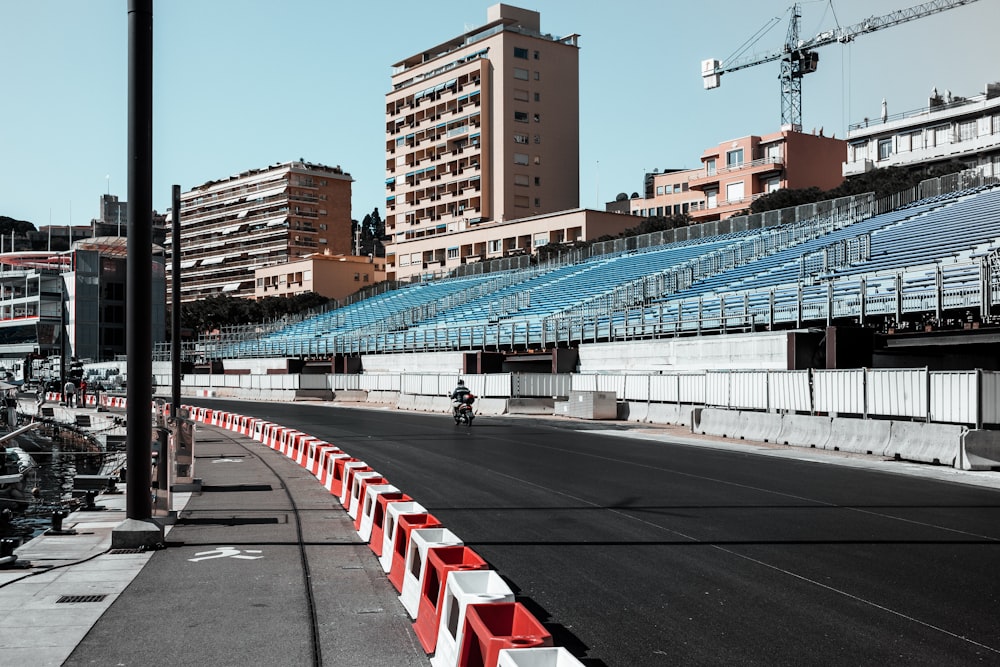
column 116, row 552
column 80, row 598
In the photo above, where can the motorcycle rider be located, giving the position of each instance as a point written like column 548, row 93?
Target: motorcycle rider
column 457, row 396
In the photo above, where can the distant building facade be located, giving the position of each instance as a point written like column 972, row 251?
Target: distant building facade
column 735, row 173
column 481, row 129
column 71, row 303
column 258, row 218
column 948, row 128
column 329, row 275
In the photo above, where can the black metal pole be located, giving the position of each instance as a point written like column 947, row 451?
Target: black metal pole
column 175, row 304
column 139, row 275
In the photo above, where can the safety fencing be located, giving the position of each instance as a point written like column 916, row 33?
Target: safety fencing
column 954, row 397
column 463, row 612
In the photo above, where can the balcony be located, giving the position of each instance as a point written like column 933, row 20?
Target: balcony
column 759, row 166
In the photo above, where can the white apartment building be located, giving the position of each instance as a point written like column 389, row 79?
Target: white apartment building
column 259, row 218
column 948, row 128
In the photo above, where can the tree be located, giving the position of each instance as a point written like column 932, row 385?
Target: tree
column 369, row 235
column 216, row 312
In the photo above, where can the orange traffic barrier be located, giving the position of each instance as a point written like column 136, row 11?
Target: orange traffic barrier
column 440, row 562
column 379, row 515
column 358, row 484
column 369, row 492
column 415, row 565
column 335, row 484
column 460, row 591
column 350, row 470
column 401, row 544
column 495, row 626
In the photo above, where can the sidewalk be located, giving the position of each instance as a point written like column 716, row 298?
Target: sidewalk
column 228, row 589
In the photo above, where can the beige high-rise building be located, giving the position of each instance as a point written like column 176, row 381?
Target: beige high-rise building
column 481, row 129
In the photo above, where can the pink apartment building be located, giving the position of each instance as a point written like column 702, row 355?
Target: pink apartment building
column 735, row 173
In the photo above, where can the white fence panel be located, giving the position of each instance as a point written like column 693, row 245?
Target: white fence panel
column 717, row 388
column 990, row 398
column 609, row 383
column 584, row 383
column 748, row 389
column 693, row 388
column 636, row 388
column 790, row 391
column 496, row 385
column 664, row 388
column 953, row 396
column 839, row 391
column 541, row 384
column 897, row 392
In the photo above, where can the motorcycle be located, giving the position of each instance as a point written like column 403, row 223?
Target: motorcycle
column 465, row 413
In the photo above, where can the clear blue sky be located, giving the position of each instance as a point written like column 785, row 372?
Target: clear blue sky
column 240, row 84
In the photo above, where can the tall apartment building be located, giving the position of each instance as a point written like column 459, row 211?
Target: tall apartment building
column 948, row 128
column 261, row 217
column 480, row 129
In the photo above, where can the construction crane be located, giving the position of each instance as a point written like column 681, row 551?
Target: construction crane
column 798, row 56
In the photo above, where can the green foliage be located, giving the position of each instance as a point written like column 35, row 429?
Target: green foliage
column 220, row 311
column 372, row 234
column 883, row 182
column 19, row 227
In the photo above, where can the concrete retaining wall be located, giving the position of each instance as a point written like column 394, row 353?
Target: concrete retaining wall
column 767, row 350
column 531, row 406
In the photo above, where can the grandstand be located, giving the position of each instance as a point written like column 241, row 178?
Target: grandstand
column 917, row 259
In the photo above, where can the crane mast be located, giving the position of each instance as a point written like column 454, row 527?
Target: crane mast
column 798, row 57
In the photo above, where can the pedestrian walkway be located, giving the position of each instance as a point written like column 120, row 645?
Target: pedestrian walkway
column 232, row 587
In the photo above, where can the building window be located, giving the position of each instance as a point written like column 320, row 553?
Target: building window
column 521, row 179
column 538, row 159
column 520, row 53
column 677, row 188
column 734, row 192
column 734, row 158
column 521, row 116
column 452, row 253
column 538, row 180
column 859, row 151
column 884, row 149
column 940, row 136
column 967, row 130
column 711, row 198
column 520, row 95
column 493, row 246
column 538, row 118
column 537, row 55
column 538, row 202
column 659, row 189
column 520, row 138
column 520, row 158
column 520, row 201
column 772, row 184
column 710, row 167
column 520, row 74
column 538, row 97
column 538, row 75
column 357, row 277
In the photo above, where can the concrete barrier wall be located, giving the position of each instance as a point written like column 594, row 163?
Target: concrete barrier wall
column 531, row 406
column 805, row 430
column 980, row 450
column 927, row 443
column 860, row 436
column 760, row 426
column 716, row 421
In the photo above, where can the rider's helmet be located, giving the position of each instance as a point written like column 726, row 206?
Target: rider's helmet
column 461, row 382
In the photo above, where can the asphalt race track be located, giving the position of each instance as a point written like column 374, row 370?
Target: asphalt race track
column 636, row 552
